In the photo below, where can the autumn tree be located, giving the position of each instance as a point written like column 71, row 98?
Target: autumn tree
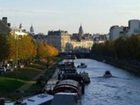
column 21, row 48
column 52, row 51
column 42, row 51
column 46, row 51
column 26, row 48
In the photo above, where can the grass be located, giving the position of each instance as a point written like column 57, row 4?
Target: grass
column 26, row 73
column 7, row 85
column 13, row 81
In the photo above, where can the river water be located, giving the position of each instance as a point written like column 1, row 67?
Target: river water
column 122, row 89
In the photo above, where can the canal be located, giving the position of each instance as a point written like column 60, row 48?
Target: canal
column 122, row 89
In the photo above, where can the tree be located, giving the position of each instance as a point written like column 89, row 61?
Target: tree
column 21, row 48
column 4, row 47
column 121, row 48
column 12, row 47
column 42, row 51
column 26, row 48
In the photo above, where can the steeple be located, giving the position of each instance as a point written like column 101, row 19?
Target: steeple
column 31, row 29
column 20, row 26
column 81, row 32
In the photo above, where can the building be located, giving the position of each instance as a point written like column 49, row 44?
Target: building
column 65, row 42
column 115, row 32
column 132, row 29
column 81, row 46
column 99, row 38
column 58, row 39
column 4, row 26
column 81, row 32
column 40, row 37
column 19, row 31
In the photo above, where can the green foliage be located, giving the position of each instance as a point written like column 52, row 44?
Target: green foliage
column 122, row 48
column 23, row 74
column 4, row 48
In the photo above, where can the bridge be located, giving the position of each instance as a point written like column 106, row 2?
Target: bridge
column 73, row 55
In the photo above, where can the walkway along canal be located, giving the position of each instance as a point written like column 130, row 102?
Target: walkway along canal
column 121, row 89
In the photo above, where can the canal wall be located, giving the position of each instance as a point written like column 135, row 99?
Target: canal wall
column 133, row 67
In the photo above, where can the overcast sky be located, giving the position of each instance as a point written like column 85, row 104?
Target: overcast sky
column 96, row 16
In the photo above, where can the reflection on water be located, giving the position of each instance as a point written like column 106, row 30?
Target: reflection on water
column 122, row 89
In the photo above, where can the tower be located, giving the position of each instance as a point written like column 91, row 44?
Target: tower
column 31, row 29
column 81, row 32
column 20, row 26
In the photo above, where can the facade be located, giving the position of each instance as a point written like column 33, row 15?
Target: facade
column 4, row 26
column 58, row 39
column 81, row 46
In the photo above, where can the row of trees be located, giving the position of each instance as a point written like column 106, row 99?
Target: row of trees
column 122, row 48
column 24, row 48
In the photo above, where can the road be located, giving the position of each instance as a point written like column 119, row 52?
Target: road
column 122, row 89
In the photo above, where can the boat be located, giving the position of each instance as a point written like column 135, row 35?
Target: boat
column 107, row 74
column 66, row 64
column 68, row 86
column 63, row 98
column 39, row 99
column 85, row 77
column 82, row 65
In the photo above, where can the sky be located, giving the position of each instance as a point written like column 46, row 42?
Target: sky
column 96, row 16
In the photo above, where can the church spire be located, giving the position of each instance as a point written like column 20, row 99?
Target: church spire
column 20, row 26
column 31, row 29
column 81, row 32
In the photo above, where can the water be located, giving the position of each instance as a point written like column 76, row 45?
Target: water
column 122, row 89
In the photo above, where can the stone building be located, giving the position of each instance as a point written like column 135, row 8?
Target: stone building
column 58, row 39
column 65, row 42
column 4, row 26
